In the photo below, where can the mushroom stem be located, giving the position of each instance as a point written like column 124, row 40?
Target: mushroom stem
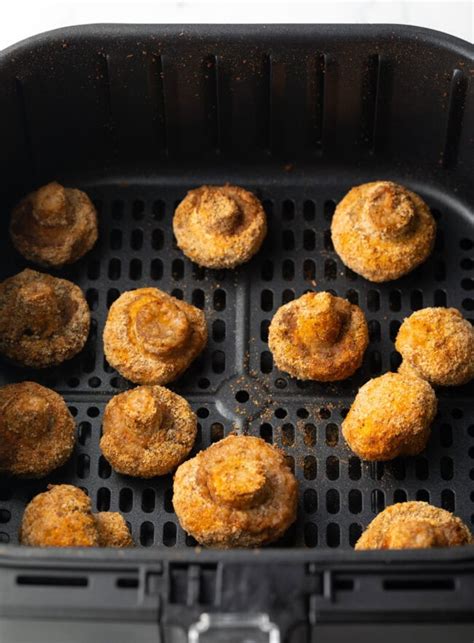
column 50, row 206
column 389, row 210
column 220, row 213
column 38, row 309
column 238, row 483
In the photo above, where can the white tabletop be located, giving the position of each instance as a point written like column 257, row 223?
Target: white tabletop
column 23, row 18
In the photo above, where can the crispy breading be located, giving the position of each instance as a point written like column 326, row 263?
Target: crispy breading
column 414, row 525
column 382, row 230
column 318, row 337
column 43, row 320
column 36, row 430
column 219, row 226
column 147, row 431
column 390, row 416
column 237, row 493
column 151, row 337
column 437, row 344
column 112, row 530
column 54, row 225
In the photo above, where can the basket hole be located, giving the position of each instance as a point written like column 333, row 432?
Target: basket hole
column 310, row 467
column 169, row 534
column 374, row 330
column 84, row 433
column 439, row 298
column 6, row 493
column 466, row 244
column 333, row 535
column 218, row 361
column 156, row 269
column 115, row 269
column 309, row 435
column 219, row 299
column 310, row 535
column 105, row 469
column 330, row 269
column 290, row 461
column 267, row 270
column 355, row 532
column 126, row 500
column 281, row 413
column 281, row 383
column 103, row 499
column 147, row 534
column 266, row 362
column 203, row 383
column 327, row 241
column 355, row 501
column 288, row 210
column 377, row 501
column 266, row 432
column 158, row 210
column 416, row 300
column 136, row 239
column 83, row 466
column 288, row 240
column 288, row 269
column 287, row 296
column 92, row 296
column 310, row 501
column 467, row 264
column 198, row 299
column 375, row 362
column 309, row 210
column 468, row 304
column 138, row 209
column 440, row 271
column 423, row 495
column 287, row 435
column 117, row 210
column 302, row 413
column 332, row 434
column 217, row 431
column 309, row 270
column 218, row 330
column 373, row 301
column 400, row 495
column 329, row 208
column 177, row 269
column 448, row 500
column 355, row 468
column 202, row 412
column 266, row 300
column 309, row 240
column 168, row 501
column 5, row 516
column 148, row 500
column 333, row 503
column 446, row 435
column 264, row 326
column 421, row 468
column 446, row 468
column 332, row 467
column 242, row 397
column 135, row 269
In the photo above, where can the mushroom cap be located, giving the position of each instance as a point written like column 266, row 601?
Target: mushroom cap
column 37, row 430
column 318, row 337
column 147, row 431
column 219, row 226
column 59, row 517
column 54, row 225
column 239, row 492
column 410, row 525
column 151, row 337
column 382, row 230
column 390, row 416
column 43, row 320
column 437, row 344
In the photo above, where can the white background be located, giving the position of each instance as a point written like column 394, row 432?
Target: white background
column 22, row 18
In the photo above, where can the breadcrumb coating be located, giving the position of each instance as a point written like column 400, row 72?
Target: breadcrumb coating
column 54, row 225
column 382, row 230
column 43, row 320
column 437, row 344
column 318, row 337
column 390, row 416
column 414, row 525
column 219, row 226
column 147, row 431
column 36, row 430
column 112, row 530
column 62, row 517
column 151, row 337
column 237, row 493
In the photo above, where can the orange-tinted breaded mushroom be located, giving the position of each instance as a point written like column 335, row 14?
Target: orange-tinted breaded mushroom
column 390, row 416
column 318, row 337
column 43, row 320
column 54, row 225
column 147, row 431
column 112, row 530
column 151, row 337
column 239, row 492
column 59, row 517
column 220, row 226
column 382, row 230
column 36, row 430
column 62, row 517
column 437, row 344
column 414, row 525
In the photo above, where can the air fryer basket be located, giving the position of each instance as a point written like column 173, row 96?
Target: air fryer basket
column 136, row 116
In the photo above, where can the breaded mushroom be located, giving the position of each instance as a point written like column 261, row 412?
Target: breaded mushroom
column 36, row 430
column 62, row 517
column 390, row 416
column 147, row 431
column 112, row 530
column 219, row 226
column 59, row 517
column 43, row 320
column 437, row 344
column 239, row 492
column 151, row 337
column 414, row 525
column 318, row 337
column 54, row 225
column 382, row 230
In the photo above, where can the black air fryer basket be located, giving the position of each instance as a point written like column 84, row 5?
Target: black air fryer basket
column 136, row 116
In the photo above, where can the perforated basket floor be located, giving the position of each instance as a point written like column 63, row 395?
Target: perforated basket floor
column 234, row 385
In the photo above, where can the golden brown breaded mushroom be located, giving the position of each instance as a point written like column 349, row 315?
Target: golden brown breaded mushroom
column 36, row 430
column 112, row 530
column 318, row 337
column 390, row 416
column 239, row 492
column 437, row 344
column 414, row 525
column 220, row 226
column 59, row 517
column 382, row 230
column 147, row 431
column 43, row 320
column 151, row 337
column 54, row 225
